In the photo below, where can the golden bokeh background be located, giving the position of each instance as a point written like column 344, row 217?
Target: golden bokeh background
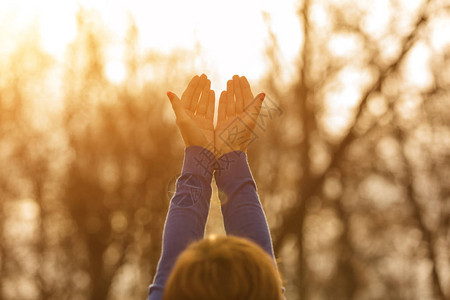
column 351, row 160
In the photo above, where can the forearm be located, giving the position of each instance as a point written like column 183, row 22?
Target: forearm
column 187, row 213
column 242, row 211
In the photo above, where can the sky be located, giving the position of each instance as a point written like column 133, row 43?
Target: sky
column 232, row 33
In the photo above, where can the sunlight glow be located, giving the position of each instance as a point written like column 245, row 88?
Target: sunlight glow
column 341, row 44
column 231, row 35
column 115, row 71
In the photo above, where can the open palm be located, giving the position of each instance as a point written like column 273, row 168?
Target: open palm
column 195, row 112
column 237, row 116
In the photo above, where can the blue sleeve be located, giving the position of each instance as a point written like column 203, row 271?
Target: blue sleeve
column 243, row 214
column 188, row 212
column 242, row 211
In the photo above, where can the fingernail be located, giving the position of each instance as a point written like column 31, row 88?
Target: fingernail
column 170, row 95
column 263, row 95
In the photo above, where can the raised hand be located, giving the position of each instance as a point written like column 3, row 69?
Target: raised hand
column 237, row 116
column 194, row 112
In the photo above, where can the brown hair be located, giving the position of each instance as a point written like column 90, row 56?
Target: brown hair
column 224, row 268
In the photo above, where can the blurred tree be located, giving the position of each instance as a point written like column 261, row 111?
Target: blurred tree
column 22, row 171
column 353, row 176
column 357, row 198
column 92, row 178
column 123, row 144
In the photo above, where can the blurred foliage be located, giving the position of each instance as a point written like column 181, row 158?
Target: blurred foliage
column 353, row 173
column 351, row 165
column 91, row 178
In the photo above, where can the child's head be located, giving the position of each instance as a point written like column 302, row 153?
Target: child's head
column 217, row 268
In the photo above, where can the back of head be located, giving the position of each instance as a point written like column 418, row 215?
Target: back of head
column 223, row 268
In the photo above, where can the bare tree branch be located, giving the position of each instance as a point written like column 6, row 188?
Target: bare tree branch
column 292, row 221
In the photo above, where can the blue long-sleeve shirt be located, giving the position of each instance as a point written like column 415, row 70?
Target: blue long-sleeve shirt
column 188, row 211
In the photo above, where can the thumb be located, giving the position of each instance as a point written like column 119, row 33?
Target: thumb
column 260, row 96
column 257, row 103
column 253, row 110
column 176, row 104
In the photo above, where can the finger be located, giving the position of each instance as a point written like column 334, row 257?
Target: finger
column 204, row 99
column 246, row 91
column 255, row 108
column 176, row 106
column 231, row 105
column 238, row 95
column 211, row 103
column 221, row 115
column 186, row 98
column 197, row 92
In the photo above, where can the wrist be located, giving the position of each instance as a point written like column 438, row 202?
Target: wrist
column 226, row 161
column 198, row 161
column 230, row 168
